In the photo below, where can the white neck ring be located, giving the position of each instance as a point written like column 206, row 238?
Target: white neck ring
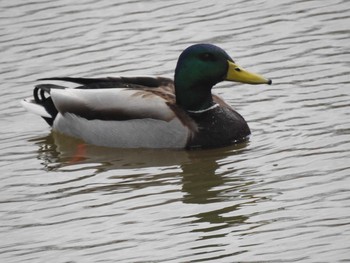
column 205, row 110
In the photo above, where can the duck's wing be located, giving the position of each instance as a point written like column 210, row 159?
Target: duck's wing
column 115, row 104
column 50, row 99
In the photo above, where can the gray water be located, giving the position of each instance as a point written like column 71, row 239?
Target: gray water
column 282, row 197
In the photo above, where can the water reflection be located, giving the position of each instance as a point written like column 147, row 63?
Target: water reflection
column 58, row 151
column 203, row 184
column 201, row 176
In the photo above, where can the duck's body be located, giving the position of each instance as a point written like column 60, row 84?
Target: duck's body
column 149, row 112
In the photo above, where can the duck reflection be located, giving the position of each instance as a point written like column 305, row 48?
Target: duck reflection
column 202, row 182
column 58, row 151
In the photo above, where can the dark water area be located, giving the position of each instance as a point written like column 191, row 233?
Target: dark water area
column 284, row 196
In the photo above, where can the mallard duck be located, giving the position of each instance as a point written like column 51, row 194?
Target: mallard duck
column 150, row 112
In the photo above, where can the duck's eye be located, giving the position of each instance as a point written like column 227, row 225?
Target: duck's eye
column 207, row 57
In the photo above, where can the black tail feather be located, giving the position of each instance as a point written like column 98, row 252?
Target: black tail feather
column 42, row 97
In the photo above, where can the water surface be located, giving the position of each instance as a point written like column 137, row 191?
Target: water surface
column 282, row 197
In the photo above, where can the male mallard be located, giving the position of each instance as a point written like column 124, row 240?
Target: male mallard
column 150, row 112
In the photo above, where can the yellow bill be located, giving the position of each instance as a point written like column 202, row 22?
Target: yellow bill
column 239, row 74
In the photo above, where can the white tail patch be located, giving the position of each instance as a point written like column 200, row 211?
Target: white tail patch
column 37, row 109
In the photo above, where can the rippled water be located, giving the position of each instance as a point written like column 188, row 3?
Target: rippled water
column 282, row 197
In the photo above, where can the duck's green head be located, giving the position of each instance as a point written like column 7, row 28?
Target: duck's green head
column 199, row 68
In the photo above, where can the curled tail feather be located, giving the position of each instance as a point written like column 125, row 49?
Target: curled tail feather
column 42, row 103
